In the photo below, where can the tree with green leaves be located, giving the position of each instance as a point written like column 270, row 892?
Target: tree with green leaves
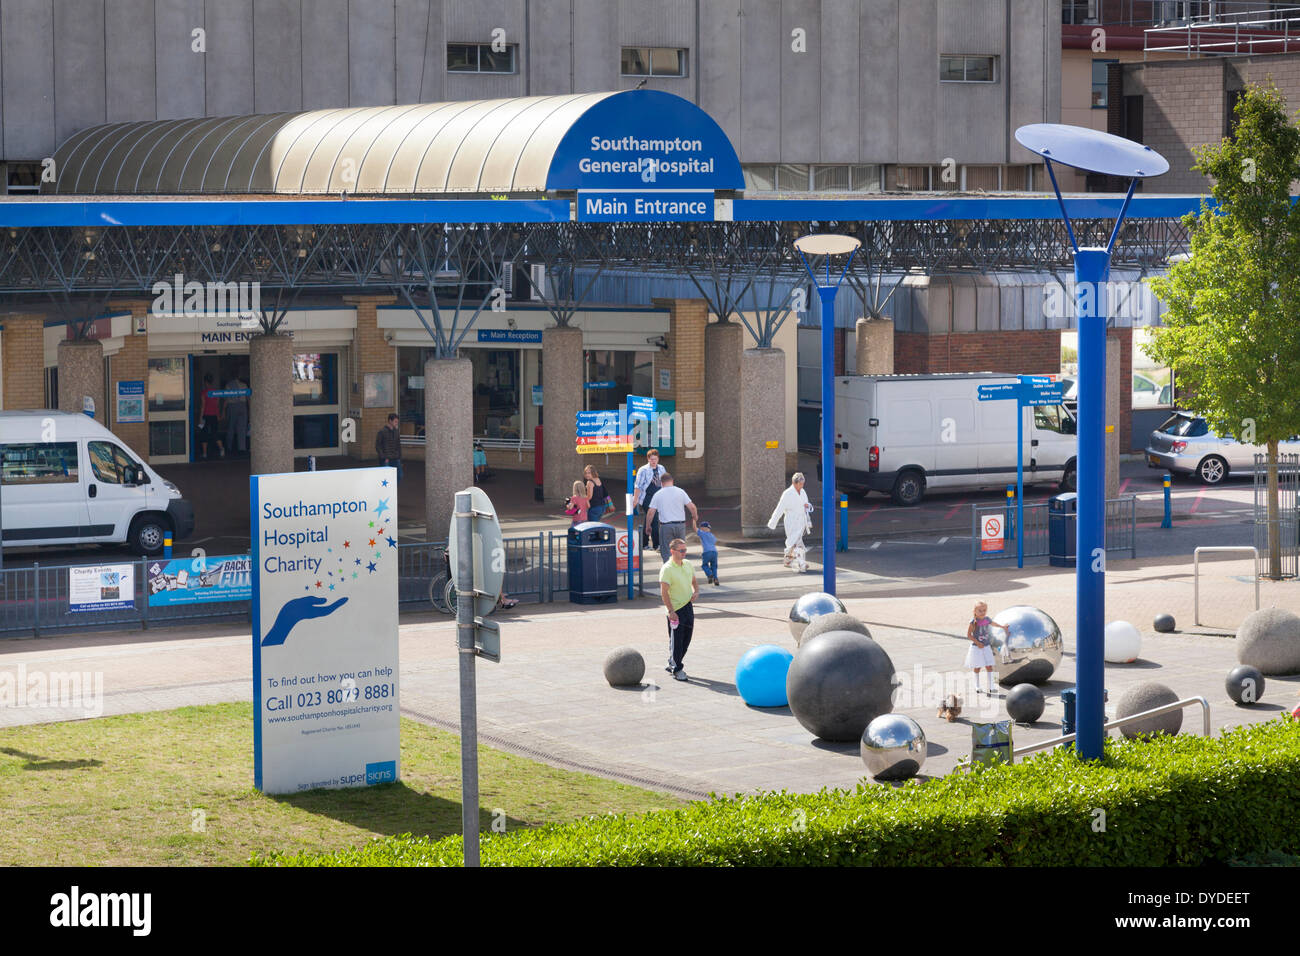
column 1231, row 331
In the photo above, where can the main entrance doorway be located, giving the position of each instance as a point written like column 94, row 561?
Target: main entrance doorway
column 219, row 423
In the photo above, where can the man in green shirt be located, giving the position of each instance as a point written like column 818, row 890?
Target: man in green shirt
column 678, row 589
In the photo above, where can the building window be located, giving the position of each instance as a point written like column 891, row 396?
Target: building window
column 653, row 61
column 481, row 58
column 792, row 178
column 968, row 69
column 1100, row 83
column 1079, row 11
column 315, row 378
column 22, row 178
column 496, row 392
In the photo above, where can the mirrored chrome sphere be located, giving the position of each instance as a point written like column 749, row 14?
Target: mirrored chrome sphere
column 810, row 606
column 1032, row 648
column 893, row 747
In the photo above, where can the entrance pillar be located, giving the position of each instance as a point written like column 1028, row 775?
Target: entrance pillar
column 23, row 355
column 270, row 407
column 562, row 377
column 762, row 438
column 723, row 345
column 81, row 376
column 875, row 346
column 448, row 439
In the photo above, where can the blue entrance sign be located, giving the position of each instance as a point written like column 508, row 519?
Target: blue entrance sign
column 645, row 140
column 511, row 335
column 619, row 206
column 637, row 408
column 1029, row 390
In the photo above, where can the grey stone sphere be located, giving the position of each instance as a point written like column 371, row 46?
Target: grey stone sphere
column 1025, row 703
column 839, row 683
column 893, row 747
column 1030, row 650
column 835, row 621
column 624, row 667
column 1270, row 640
column 1164, row 623
column 1145, row 696
column 1245, row 684
column 808, row 606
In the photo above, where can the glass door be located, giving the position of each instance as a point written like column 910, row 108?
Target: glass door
column 168, row 410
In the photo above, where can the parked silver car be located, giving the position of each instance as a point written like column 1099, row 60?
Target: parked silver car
column 1185, row 444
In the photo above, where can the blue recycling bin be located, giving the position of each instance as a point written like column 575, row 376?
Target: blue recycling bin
column 1062, row 513
column 593, row 565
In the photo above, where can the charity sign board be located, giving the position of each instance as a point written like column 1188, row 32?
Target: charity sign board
column 325, row 660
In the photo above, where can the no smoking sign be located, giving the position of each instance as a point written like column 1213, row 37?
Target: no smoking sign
column 991, row 534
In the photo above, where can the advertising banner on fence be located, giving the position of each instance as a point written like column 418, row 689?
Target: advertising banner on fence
column 325, row 669
column 200, row 580
column 108, row 587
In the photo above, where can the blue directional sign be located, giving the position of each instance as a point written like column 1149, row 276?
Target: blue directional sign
column 992, row 393
column 640, row 408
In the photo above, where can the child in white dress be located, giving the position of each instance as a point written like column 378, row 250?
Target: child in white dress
column 979, row 633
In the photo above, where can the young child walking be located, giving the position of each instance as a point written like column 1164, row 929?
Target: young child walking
column 709, row 552
column 980, row 654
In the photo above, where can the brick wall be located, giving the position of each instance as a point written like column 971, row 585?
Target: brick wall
column 1036, row 351
column 1183, row 107
column 1125, row 337
column 130, row 364
column 24, row 361
column 370, row 353
column 684, row 358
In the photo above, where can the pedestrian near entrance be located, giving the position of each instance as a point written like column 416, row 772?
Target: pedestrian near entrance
column 794, row 511
column 576, row 504
column 211, row 413
column 678, row 589
column 480, row 463
column 649, row 478
column 980, row 654
column 671, row 505
column 601, row 503
column 236, row 418
column 388, row 446
column 708, row 552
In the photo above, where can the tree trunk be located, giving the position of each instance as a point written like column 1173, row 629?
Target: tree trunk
column 1274, row 524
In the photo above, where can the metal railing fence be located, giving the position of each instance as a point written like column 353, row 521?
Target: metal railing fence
column 35, row 600
column 1121, row 529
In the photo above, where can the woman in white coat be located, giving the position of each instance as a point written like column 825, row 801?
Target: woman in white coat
column 793, row 510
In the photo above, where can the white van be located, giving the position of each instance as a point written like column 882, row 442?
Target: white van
column 904, row 434
column 66, row 479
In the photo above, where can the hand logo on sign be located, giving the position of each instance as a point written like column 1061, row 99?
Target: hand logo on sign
column 298, row 609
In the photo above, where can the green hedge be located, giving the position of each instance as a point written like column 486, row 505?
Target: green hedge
column 1172, row 801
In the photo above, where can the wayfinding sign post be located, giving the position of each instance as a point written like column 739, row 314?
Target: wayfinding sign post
column 1030, row 390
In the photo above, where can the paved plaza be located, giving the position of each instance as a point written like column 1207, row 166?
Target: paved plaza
column 548, row 699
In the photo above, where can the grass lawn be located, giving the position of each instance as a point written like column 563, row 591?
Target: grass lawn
column 126, row 790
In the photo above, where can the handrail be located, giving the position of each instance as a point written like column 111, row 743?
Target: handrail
column 1111, row 725
column 1196, row 575
column 1122, row 721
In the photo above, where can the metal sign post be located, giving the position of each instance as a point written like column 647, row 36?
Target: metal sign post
column 1096, row 152
column 1031, row 390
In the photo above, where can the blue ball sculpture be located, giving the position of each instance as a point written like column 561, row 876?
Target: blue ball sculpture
column 760, row 675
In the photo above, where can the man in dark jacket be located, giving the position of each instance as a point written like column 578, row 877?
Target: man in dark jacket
column 388, row 446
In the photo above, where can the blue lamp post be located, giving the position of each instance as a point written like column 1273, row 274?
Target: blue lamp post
column 828, row 246
column 1097, row 152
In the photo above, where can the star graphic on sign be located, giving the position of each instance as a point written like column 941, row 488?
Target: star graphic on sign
column 347, row 544
column 381, row 530
column 331, row 587
column 317, row 584
column 372, row 524
column 330, row 550
column 391, row 542
column 354, row 574
column 378, row 555
column 372, row 542
column 371, row 567
column 381, row 507
column 358, row 561
column 384, row 482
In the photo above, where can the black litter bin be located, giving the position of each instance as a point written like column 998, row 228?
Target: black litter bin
column 1062, row 512
column 593, row 569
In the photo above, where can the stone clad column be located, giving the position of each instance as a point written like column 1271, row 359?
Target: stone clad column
column 875, row 346
column 762, row 468
column 270, row 406
column 448, row 440
column 723, row 345
column 562, row 378
column 23, row 355
column 81, row 375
